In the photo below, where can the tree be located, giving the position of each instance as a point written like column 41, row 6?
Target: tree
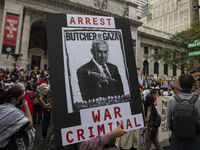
column 176, row 54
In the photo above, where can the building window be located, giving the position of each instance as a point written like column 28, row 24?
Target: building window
column 174, row 70
column 146, row 67
column 165, row 69
column 146, row 50
column 156, row 51
column 156, row 68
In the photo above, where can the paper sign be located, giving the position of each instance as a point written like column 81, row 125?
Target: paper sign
column 18, row 64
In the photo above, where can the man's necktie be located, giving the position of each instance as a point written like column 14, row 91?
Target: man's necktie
column 105, row 71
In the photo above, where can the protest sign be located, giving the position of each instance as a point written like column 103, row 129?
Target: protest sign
column 155, row 76
column 162, row 104
column 196, row 76
column 35, row 68
column 18, row 64
column 98, row 84
column 1, row 63
column 197, row 91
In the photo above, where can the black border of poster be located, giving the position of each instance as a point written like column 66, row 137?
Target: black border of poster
column 55, row 22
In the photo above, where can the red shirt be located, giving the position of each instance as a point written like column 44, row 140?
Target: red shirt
column 40, row 82
column 154, row 98
column 1, row 73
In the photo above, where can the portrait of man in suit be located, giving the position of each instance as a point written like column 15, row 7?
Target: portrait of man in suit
column 98, row 78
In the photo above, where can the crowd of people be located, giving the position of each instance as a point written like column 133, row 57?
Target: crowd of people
column 30, row 80
column 16, row 83
column 16, row 125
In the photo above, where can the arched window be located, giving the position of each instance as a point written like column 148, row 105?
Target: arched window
column 165, row 69
column 146, row 51
column 156, row 68
column 146, row 66
column 174, row 70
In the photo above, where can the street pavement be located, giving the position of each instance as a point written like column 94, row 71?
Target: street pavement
column 42, row 145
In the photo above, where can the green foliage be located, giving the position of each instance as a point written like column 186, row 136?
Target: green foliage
column 176, row 54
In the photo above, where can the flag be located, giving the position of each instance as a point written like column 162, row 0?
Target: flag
column 140, row 80
column 146, row 80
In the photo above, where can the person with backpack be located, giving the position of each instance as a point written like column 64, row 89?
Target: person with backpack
column 152, row 120
column 45, row 99
column 183, row 116
column 37, row 107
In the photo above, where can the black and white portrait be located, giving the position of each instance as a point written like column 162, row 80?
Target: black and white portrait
column 95, row 68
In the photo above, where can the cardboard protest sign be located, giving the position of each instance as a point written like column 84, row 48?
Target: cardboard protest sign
column 162, row 105
column 93, row 76
column 196, row 76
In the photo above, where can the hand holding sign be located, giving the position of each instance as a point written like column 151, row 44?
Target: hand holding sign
column 117, row 132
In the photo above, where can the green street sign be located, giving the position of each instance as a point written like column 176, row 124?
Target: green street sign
column 195, row 43
column 194, row 53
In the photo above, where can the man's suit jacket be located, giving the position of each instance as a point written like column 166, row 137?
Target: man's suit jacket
column 89, row 87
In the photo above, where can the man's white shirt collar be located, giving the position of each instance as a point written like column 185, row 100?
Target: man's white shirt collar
column 100, row 66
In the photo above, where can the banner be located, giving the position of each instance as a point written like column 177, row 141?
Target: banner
column 10, row 33
column 1, row 63
column 98, row 84
column 162, row 104
column 18, row 64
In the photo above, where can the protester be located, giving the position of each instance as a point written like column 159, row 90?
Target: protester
column 38, row 76
column 145, row 93
column 37, row 107
column 1, row 84
column 161, row 93
column 42, row 80
column 29, row 86
column 129, row 141
column 13, row 122
column 150, row 115
column 179, row 143
column 45, row 99
column 43, row 73
column 174, row 91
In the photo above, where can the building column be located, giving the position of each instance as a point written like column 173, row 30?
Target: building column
column 151, row 64
column 141, row 57
column 138, row 55
column 25, row 36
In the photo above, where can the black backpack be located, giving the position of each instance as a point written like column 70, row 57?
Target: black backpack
column 157, row 120
column 184, row 121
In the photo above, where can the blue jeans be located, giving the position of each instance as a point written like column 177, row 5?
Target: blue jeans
column 178, row 143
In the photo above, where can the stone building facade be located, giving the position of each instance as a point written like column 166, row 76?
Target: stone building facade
column 31, row 44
